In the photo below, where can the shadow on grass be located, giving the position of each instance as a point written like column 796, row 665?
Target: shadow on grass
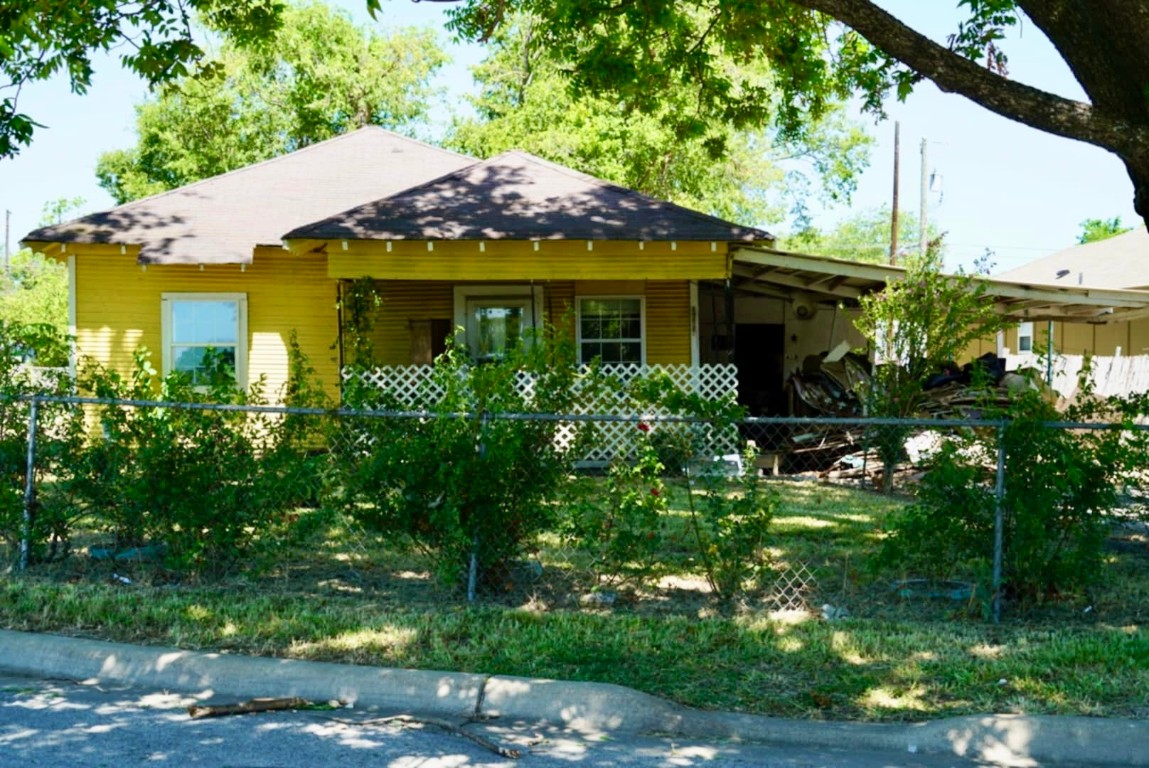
column 347, row 596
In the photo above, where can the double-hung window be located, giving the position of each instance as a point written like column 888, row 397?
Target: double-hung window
column 204, row 333
column 610, row 329
column 1025, row 337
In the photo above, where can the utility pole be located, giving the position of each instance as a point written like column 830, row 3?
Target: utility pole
column 923, row 236
column 894, row 216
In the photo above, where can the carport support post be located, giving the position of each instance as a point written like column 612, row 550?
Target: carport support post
column 999, row 523
column 29, row 484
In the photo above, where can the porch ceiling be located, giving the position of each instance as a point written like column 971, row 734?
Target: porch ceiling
column 773, row 272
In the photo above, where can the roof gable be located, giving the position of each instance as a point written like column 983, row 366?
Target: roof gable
column 519, row 196
column 220, row 220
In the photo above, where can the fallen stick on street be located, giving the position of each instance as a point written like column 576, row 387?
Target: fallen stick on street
column 198, row 711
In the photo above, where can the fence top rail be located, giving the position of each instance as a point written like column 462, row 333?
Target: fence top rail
column 840, row 421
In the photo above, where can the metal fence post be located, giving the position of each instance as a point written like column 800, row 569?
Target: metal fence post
column 999, row 523
column 473, row 570
column 29, row 484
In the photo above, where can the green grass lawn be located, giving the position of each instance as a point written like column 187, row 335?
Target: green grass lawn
column 343, row 597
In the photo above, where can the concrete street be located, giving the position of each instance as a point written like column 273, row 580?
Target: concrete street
column 70, row 701
column 57, row 723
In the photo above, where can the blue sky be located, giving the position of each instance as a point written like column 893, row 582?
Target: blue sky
column 1005, row 187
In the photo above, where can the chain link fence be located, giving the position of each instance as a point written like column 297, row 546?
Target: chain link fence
column 836, row 516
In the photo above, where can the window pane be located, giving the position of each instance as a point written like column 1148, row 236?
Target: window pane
column 611, row 329
column 193, row 361
column 205, row 322
column 494, row 330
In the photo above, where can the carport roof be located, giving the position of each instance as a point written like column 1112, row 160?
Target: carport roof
column 780, row 273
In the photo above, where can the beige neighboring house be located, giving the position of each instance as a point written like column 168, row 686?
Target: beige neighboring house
column 1118, row 262
column 1118, row 343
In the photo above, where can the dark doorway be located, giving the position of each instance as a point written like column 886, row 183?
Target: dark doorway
column 758, row 353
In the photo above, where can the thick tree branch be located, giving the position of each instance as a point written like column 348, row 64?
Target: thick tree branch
column 957, row 74
column 1103, row 42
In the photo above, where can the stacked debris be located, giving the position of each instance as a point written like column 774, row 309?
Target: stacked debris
column 829, row 385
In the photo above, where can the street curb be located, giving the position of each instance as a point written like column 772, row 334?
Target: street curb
column 584, row 707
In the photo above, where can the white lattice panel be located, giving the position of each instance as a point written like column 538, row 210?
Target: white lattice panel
column 415, row 386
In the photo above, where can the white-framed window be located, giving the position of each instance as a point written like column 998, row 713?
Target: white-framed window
column 495, row 318
column 610, row 328
column 1025, row 337
column 198, row 324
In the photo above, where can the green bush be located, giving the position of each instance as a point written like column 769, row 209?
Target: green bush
column 620, row 523
column 1060, row 487
column 731, row 525
column 210, row 485
column 463, row 483
column 59, row 428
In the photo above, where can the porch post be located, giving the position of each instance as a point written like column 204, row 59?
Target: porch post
column 695, row 351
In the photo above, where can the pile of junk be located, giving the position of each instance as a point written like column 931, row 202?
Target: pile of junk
column 828, row 386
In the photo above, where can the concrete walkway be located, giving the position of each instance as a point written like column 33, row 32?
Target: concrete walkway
column 584, row 707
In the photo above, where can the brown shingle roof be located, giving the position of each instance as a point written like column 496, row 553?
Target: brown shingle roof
column 519, row 196
column 221, row 219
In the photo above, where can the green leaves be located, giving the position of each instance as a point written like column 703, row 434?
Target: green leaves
column 533, row 97
column 43, row 37
column 316, row 76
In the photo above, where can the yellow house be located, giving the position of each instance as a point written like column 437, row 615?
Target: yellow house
column 240, row 262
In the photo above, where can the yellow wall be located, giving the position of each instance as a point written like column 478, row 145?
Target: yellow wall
column 667, row 312
column 118, row 308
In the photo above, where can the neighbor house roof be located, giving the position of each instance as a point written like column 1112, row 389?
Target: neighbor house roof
column 772, row 272
column 1116, row 262
column 220, row 220
column 518, row 196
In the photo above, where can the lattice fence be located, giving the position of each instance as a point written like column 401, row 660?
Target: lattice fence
column 419, row 386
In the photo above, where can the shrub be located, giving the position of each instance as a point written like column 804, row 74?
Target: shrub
column 463, row 482
column 731, row 524
column 620, row 523
column 51, row 513
column 208, row 484
column 1060, row 487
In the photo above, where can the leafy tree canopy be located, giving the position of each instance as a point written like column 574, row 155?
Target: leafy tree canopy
column 1093, row 230
column 865, row 236
column 155, row 39
column 318, row 76
column 709, row 165
column 34, row 294
column 822, row 50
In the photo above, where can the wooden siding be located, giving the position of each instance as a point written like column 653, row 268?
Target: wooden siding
column 668, row 323
column 504, row 260
column 403, row 302
column 1131, row 338
column 407, row 301
column 118, row 309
